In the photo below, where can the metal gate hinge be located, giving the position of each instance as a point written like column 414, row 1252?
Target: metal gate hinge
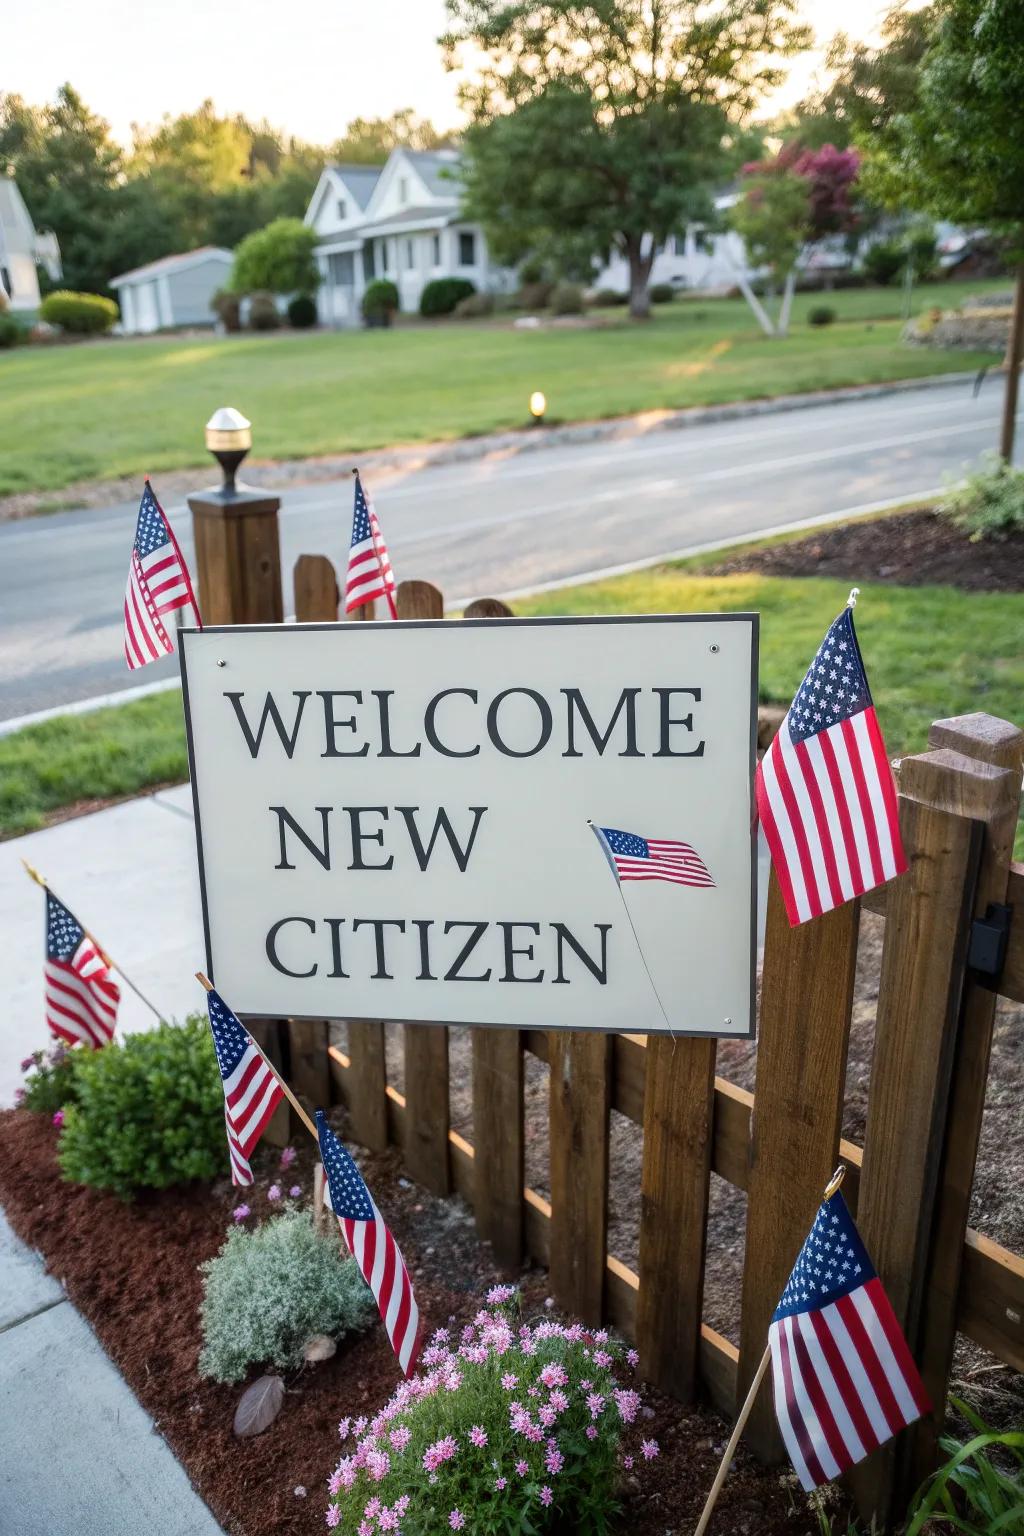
column 990, row 936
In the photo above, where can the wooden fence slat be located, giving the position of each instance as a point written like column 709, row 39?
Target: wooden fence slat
column 580, row 1079
column 316, row 590
column 499, row 1142
column 678, row 1112
column 367, row 1083
column 806, row 999
column 308, row 1062
column 924, row 955
column 487, row 608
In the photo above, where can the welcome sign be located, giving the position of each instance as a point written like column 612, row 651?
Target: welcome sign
column 531, row 823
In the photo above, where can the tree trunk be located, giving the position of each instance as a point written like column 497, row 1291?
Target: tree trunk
column 1013, row 362
column 787, row 303
column 757, row 308
column 639, row 276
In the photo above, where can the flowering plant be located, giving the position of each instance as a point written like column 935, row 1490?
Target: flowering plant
column 49, row 1083
column 510, row 1430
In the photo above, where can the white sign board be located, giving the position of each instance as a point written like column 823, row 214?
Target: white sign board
column 538, row 823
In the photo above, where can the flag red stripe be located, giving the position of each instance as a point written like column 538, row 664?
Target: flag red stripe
column 67, row 980
column 835, row 777
column 181, row 561
column 253, row 1066
column 864, row 800
column 780, row 863
column 796, row 1417
column 814, row 1388
column 888, row 788
column 796, row 822
column 882, row 1307
column 844, row 1381
column 871, row 1363
column 89, row 1030
column 254, row 1133
column 824, row 832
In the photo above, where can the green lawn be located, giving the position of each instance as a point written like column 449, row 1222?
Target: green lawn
column 931, row 651
column 109, row 408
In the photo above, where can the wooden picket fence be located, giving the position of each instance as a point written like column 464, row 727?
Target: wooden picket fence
column 910, row 1184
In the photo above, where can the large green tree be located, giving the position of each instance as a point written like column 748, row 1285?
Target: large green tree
column 601, row 126
column 867, row 85
column 957, row 151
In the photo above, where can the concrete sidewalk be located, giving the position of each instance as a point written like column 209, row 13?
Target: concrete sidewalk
column 77, row 1452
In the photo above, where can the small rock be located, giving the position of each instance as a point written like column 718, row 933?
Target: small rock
column 300, row 1492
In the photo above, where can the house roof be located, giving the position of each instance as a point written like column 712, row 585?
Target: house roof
column 17, row 233
column 173, row 264
column 360, row 180
column 439, row 169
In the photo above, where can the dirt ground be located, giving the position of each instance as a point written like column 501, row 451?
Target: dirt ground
column 132, row 1270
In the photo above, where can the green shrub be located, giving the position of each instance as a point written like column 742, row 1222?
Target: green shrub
column 263, row 313
column 821, row 314
column 474, row 306
column 609, row 298
column 12, row 332
column 148, row 1113
column 441, row 294
column 535, row 295
column 972, row 1491
column 50, row 1083
column 567, row 299
column 380, row 300
column 884, row 262
column 269, row 1291
column 532, row 270
column 227, row 307
column 465, row 1446
column 278, row 258
column 662, row 293
column 80, row 314
column 302, row 312
column 990, row 504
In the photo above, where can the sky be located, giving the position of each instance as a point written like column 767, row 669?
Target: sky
column 308, row 67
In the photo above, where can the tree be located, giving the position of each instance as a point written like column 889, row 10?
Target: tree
column 370, row 140
column 867, row 87
column 278, row 259
column 957, row 151
column 603, row 125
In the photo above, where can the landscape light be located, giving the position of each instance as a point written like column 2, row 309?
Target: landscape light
column 229, row 438
column 538, row 405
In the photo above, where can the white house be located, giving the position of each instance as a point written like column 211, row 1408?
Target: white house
column 402, row 221
column 176, row 290
column 22, row 250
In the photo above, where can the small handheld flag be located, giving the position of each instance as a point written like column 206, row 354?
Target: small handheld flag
column 371, row 1245
column 251, row 1091
column 81, row 996
column 825, row 791
column 369, row 565
column 652, row 858
column 843, row 1376
column 158, row 583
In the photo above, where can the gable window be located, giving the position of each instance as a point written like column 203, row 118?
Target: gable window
column 403, row 189
column 342, row 208
column 437, row 250
column 467, row 248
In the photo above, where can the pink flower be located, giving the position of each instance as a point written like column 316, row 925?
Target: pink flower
column 497, row 1293
column 28, row 1063
column 558, row 1402
column 240, row 1212
column 478, row 1435
column 274, row 1192
column 591, row 1432
column 345, row 1425
column 628, row 1404
column 333, row 1516
column 509, row 1382
column 388, row 1520
column 554, row 1461
column 595, row 1402
column 602, row 1357
column 400, row 1437
column 500, row 1484
column 288, row 1157
column 401, row 1505
column 554, row 1375
column 456, row 1520
column 649, row 1448
column 547, row 1416
column 295, row 1191
column 522, row 1467
column 633, row 1358
column 365, row 1528
column 546, row 1496
column 372, row 1509
column 58, row 1118
column 441, row 1451
column 359, row 1425
column 19, row 1095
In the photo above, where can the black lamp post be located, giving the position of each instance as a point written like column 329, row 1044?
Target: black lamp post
column 229, row 438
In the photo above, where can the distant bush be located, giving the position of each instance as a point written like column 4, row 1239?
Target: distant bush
column 12, row 332
column 474, row 306
column 532, row 270
column 567, row 299
column 148, row 1113
column 440, row 296
column 884, row 262
column 277, row 259
column 662, row 293
column 990, row 504
column 380, row 301
column 302, row 312
column 268, row 1292
column 80, row 314
column 609, row 298
column 227, row 307
column 263, row 314
column 535, row 295
column 50, row 1081
column 821, row 314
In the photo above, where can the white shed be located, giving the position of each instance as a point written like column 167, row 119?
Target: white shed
column 176, row 290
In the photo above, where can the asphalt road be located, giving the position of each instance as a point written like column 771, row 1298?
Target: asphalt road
column 499, row 524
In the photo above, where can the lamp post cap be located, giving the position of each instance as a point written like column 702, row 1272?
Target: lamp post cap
column 227, row 419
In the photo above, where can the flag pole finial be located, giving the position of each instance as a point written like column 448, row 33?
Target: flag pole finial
column 205, row 981
column 851, row 601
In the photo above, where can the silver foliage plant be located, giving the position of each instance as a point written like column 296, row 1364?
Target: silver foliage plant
column 270, row 1290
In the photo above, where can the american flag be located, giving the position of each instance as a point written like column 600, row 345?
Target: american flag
column 369, row 565
column 652, row 858
column 158, row 583
column 825, row 791
column 842, row 1373
column 81, row 994
column 372, row 1246
column 251, row 1091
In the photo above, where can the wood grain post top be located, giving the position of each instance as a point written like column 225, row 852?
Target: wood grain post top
column 418, row 600
column 229, row 506
column 982, row 736
column 951, row 781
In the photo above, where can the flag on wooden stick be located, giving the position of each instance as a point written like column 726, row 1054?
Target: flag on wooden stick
column 369, row 565
column 371, row 1245
column 843, row 1376
column 251, row 1091
column 81, row 994
column 158, row 584
column 825, row 790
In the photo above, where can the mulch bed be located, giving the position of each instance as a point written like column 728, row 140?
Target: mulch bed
column 131, row 1269
column 909, row 549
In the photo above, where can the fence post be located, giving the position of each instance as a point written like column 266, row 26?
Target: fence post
column 679, row 1098
column 426, row 1045
column 580, row 1100
column 316, row 590
column 806, row 999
